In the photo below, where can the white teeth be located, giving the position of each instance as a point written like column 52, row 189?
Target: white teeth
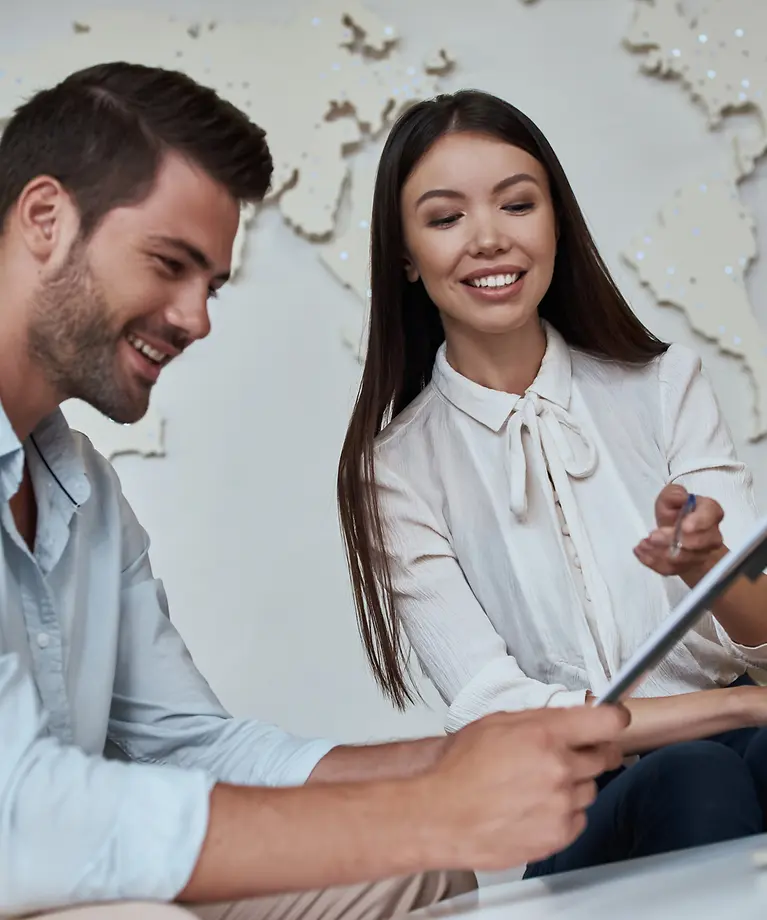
column 495, row 280
column 140, row 345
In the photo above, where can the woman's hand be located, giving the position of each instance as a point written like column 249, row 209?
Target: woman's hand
column 700, row 544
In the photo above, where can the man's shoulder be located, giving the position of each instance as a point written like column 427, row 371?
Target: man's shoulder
column 99, row 470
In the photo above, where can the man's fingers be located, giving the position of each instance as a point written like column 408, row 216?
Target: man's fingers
column 589, row 762
column 584, row 794
column 590, row 725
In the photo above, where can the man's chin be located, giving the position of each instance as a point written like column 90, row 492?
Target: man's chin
column 123, row 412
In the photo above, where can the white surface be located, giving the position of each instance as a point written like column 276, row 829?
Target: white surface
column 241, row 510
column 720, row 882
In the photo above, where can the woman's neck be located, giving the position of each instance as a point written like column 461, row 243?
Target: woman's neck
column 507, row 362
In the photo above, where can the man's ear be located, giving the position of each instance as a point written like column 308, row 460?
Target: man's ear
column 45, row 217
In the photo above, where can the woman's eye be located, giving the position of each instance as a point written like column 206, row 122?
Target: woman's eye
column 444, row 221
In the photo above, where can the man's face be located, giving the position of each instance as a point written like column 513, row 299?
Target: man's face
column 106, row 322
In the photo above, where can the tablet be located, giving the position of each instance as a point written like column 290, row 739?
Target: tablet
column 749, row 559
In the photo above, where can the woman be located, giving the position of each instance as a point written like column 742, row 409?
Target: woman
column 517, row 458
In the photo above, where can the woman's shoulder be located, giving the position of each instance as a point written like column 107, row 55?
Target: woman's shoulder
column 674, row 364
column 409, row 424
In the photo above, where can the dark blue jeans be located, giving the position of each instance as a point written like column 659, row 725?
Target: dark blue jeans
column 683, row 795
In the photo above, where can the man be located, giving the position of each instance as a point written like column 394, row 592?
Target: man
column 120, row 191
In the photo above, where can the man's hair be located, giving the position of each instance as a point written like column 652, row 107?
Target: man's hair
column 103, row 131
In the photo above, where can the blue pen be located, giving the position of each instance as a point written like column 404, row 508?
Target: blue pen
column 676, row 543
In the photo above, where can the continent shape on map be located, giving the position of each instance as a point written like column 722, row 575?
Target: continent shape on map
column 353, row 81
column 696, row 255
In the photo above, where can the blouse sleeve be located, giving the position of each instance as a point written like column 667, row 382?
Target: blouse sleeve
column 701, row 456
column 455, row 642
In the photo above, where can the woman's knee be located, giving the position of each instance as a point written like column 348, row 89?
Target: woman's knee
column 755, row 758
column 691, row 794
column 755, row 754
column 691, row 765
column 704, row 778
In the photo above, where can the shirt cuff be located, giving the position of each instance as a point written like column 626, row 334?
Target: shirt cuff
column 755, row 656
column 476, row 701
column 301, row 765
column 563, row 699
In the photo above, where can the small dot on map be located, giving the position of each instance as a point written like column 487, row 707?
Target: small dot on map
column 703, row 39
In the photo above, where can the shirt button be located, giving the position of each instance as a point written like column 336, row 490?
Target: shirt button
column 43, row 640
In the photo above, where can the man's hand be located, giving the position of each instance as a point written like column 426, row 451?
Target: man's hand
column 514, row 787
column 701, row 544
column 507, row 789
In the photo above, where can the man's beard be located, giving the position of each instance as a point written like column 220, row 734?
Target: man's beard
column 72, row 341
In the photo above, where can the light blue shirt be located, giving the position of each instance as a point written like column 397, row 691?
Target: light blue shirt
column 90, row 660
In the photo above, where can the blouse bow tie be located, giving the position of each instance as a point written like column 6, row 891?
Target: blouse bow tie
column 561, row 440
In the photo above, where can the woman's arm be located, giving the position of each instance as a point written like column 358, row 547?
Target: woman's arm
column 457, row 646
column 742, row 609
column 658, row 721
column 701, row 459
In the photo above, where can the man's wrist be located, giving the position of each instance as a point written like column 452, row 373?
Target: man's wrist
column 397, row 760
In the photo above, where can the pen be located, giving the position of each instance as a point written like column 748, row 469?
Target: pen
column 676, row 543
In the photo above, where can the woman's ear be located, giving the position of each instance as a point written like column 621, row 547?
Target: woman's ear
column 411, row 272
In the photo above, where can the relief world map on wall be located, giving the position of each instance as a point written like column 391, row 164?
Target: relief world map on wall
column 354, row 79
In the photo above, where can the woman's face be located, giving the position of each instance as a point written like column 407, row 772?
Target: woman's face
column 480, row 232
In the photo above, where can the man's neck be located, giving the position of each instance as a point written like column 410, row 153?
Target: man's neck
column 26, row 396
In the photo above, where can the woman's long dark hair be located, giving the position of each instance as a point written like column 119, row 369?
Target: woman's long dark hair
column 405, row 331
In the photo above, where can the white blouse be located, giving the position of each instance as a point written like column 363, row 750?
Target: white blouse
column 511, row 522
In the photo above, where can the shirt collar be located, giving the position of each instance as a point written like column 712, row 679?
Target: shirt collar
column 55, row 441
column 493, row 407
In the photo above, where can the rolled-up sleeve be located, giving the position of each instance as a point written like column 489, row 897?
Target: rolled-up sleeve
column 76, row 828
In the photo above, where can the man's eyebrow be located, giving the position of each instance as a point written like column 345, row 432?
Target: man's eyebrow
column 193, row 252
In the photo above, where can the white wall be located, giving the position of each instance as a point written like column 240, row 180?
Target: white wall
column 242, row 510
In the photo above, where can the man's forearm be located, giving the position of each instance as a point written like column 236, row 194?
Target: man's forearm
column 350, row 763
column 265, row 841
